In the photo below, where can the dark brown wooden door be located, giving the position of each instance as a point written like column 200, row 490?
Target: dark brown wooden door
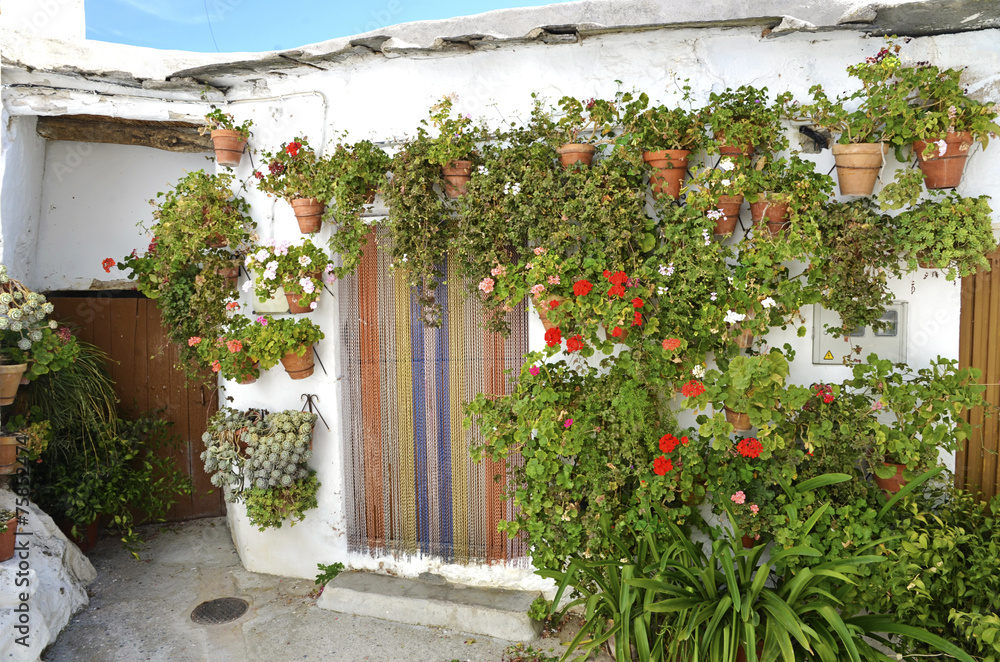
column 976, row 465
column 142, row 364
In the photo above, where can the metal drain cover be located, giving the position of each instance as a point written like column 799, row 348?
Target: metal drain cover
column 218, row 611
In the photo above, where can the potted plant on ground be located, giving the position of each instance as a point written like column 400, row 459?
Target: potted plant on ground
column 360, row 172
column 24, row 331
column 299, row 269
column 864, row 134
column 954, row 234
column 8, row 533
column 229, row 138
column 287, row 340
column 666, row 137
column 300, row 176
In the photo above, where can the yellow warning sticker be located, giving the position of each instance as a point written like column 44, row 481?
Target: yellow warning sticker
column 828, row 356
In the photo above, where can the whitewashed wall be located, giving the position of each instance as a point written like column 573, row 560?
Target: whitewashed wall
column 385, row 98
column 23, row 154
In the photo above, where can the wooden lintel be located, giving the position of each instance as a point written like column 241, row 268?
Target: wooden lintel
column 161, row 135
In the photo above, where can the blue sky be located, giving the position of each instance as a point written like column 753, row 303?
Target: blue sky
column 261, row 25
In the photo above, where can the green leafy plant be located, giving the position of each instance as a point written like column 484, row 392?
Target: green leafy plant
column 300, row 269
column 745, row 118
column 295, row 170
column 276, row 337
column 25, row 332
column 590, row 121
column 326, row 574
column 654, row 128
column 360, row 173
column 954, row 234
column 217, row 119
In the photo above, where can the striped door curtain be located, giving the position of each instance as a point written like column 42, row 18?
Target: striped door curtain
column 411, row 485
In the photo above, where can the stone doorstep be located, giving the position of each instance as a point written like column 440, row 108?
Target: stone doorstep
column 432, row 601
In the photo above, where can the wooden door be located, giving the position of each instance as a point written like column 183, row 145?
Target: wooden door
column 976, row 464
column 127, row 327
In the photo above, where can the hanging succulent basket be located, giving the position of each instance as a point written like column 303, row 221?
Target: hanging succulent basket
column 456, row 178
column 309, row 214
column 571, row 154
column 943, row 168
column 298, row 367
column 669, row 167
column 858, row 166
column 229, row 147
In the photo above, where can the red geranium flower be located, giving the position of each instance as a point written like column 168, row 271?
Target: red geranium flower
column 553, row 337
column 606, row 273
column 670, row 344
column 616, row 291
column 553, row 304
column 574, row 344
column 637, row 303
column 668, row 443
column 662, row 465
column 582, row 288
column 749, row 447
column 258, row 174
column 684, row 441
column 637, row 320
column 107, row 263
column 618, row 278
column 293, row 148
column 693, row 389
column 617, row 332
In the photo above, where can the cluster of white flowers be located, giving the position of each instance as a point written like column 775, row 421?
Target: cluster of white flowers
column 305, row 260
column 726, row 164
column 307, row 284
column 713, row 296
column 768, row 302
column 714, row 214
column 667, row 270
column 328, row 276
column 733, row 317
column 942, row 147
column 511, row 189
column 698, row 371
column 662, row 290
column 483, row 170
column 270, row 271
column 707, row 236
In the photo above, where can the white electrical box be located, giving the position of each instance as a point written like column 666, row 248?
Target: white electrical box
column 889, row 343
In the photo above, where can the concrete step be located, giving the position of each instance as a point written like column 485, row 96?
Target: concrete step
column 431, row 600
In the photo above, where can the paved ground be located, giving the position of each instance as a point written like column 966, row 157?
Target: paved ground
column 140, row 610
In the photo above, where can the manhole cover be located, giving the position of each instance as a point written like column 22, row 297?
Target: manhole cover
column 221, row 610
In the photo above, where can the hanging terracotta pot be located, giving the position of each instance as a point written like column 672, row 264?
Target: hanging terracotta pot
column 542, row 307
column 7, row 539
column 230, row 273
column 293, row 304
column 9, row 448
column 309, row 214
column 298, row 367
column 610, row 333
column 739, row 420
column 10, row 379
column 734, row 149
column 456, row 178
column 744, row 340
column 749, row 542
column 251, row 377
column 669, row 167
column 217, row 240
column 772, row 212
column 944, row 170
column 229, row 146
column 730, row 207
column 925, row 261
column 858, row 166
column 572, row 153
column 894, row 483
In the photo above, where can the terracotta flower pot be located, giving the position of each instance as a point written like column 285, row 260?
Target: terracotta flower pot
column 926, row 262
column 858, row 166
column 293, row 304
column 309, row 214
column 7, row 539
column 572, row 153
column 744, row 340
column 251, row 378
column 87, row 539
column 944, row 170
column 542, row 308
column 229, row 146
column 298, row 367
column 669, row 167
column 9, row 448
column 730, row 206
column 10, row 379
column 456, row 178
column 217, row 241
column 732, row 150
column 230, row 273
column 608, row 333
column 770, row 212
column 739, row 420
column 894, row 483
column 749, row 542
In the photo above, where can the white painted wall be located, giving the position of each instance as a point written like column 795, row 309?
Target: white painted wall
column 93, row 195
column 21, row 158
column 385, row 98
column 58, row 19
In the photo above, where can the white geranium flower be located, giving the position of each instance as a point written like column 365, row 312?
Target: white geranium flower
column 942, row 147
column 307, row 285
column 262, row 255
column 305, row 260
column 768, row 302
column 733, row 317
column 726, row 164
column 726, row 182
column 713, row 296
column 483, row 170
column 247, row 285
column 698, row 371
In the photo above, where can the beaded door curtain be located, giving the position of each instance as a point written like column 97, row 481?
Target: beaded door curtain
column 411, row 485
